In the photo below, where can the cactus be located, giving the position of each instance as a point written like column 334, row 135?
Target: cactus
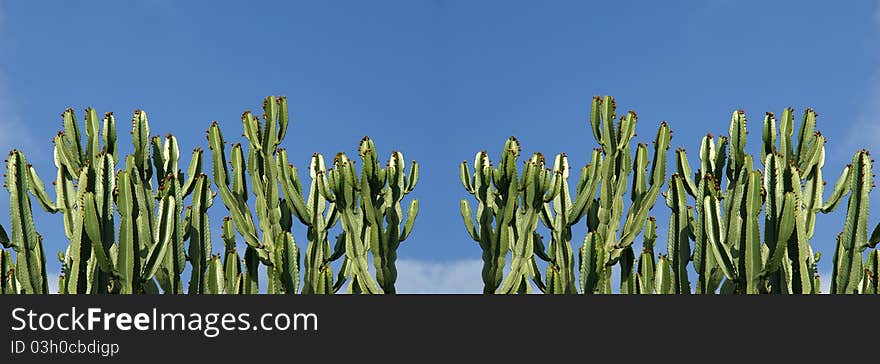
column 559, row 215
column 617, row 164
column 368, row 207
column 729, row 251
column 341, row 188
column 30, row 262
column 273, row 244
column 8, row 280
column 537, row 188
column 496, row 191
column 646, row 271
column 89, row 191
column 382, row 191
column 545, row 196
column 853, row 240
column 233, row 276
column 199, row 235
column 318, row 276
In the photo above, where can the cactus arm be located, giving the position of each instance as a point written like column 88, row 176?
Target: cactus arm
column 72, row 140
column 683, row 169
column 193, row 171
column 4, row 238
column 199, row 236
column 853, row 239
column 737, row 143
column 786, row 130
column 108, row 133
column 785, row 231
column 679, row 245
column 214, row 280
column 647, row 265
column 411, row 214
column 93, row 229
column 38, row 189
column 841, row 188
column 664, row 277
column 127, row 259
column 157, row 252
column 769, row 136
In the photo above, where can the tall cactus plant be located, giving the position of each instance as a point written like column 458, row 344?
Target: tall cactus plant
column 496, row 191
column 605, row 244
column 368, row 206
column 728, row 244
column 30, row 262
column 849, row 268
column 508, row 202
column 89, row 191
column 319, row 216
column 273, row 243
column 382, row 191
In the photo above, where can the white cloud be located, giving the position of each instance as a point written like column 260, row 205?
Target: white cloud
column 52, row 281
column 825, row 282
column 458, row 276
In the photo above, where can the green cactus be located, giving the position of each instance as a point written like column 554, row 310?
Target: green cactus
column 233, row 276
column 89, row 191
column 8, row 280
column 646, row 271
column 853, row 240
column 318, row 216
column 559, row 215
column 616, row 166
column 30, row 262
column 273, row 244
column 538, row 188
column 382, row 191
column 728, row 245
column 496, row 191
column 545, row 196
column 341, row 188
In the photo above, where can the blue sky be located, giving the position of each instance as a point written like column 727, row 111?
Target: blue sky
column 440, row 80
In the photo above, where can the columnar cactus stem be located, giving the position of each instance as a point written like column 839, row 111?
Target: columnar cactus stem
column 646, row 271
column 28, row 244
column 853, row 240
column 233, row 276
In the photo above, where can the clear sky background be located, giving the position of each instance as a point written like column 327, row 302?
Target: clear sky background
column 440, row 80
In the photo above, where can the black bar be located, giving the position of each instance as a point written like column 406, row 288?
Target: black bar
column 421, row 327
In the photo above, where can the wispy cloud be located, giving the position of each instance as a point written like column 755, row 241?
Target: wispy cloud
column 52, row 281
column 825, row 282
column 420, row 276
